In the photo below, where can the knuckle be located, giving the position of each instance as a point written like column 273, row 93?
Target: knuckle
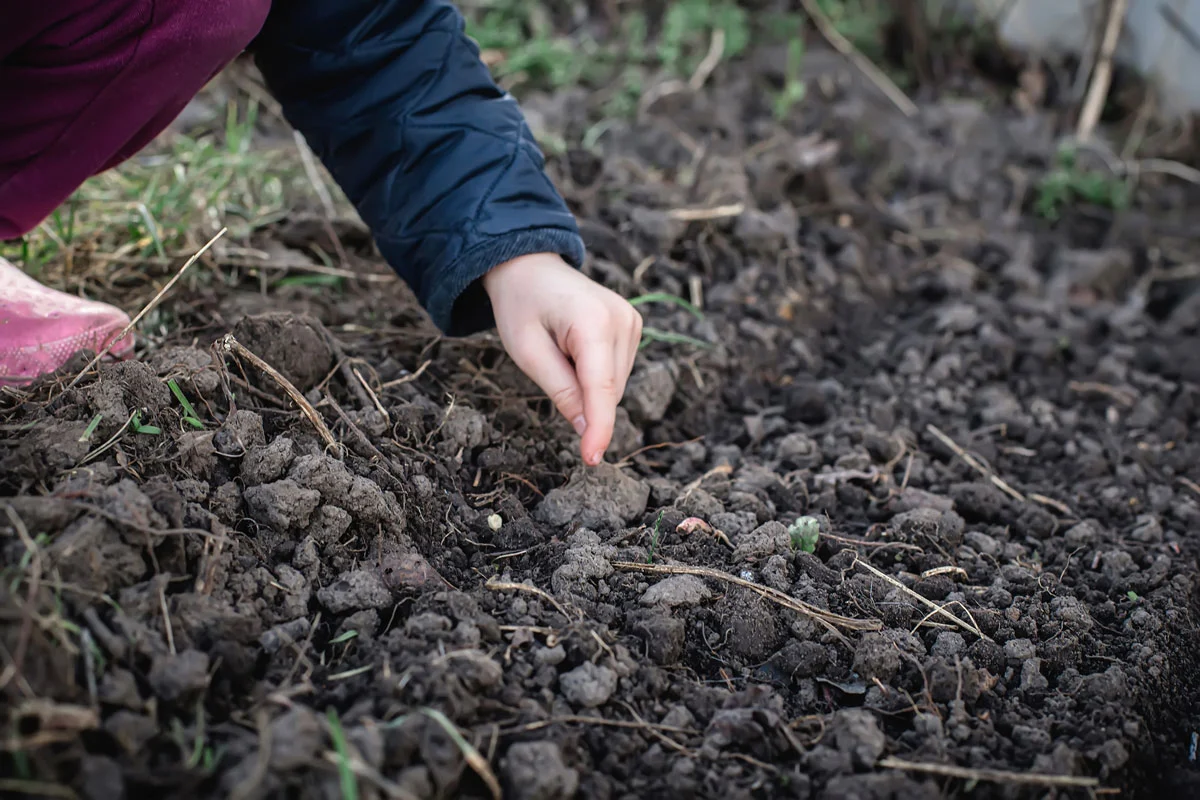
column 607, row 385
column 565, row 398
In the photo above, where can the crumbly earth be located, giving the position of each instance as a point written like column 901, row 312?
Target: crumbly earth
column 993, row 419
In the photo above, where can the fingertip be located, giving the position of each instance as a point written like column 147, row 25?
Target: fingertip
column 593, row 449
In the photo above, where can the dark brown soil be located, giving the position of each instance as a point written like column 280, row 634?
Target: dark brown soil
column 234, row 611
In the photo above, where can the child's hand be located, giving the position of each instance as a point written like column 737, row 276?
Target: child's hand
column 574, row 338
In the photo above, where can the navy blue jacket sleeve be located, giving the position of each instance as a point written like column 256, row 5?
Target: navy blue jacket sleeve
column 439, row 162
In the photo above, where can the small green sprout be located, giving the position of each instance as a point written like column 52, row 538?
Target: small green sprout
column 794, row 88
column 148, row 430
column 804, row 534
column 189, row 411
column 90, row 430
column 349, row 784
column 668, row 337
column 344, row 637
column 654, row 536
column 1132, row 595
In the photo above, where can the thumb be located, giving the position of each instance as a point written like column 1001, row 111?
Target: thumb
column 539, row 358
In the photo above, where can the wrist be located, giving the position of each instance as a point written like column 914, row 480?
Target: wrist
column 501, row 272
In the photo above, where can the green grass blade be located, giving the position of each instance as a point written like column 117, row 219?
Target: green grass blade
column 667, row 337
column 189, row 411
column 663, row 297
column 346, row 777
column 91, row 428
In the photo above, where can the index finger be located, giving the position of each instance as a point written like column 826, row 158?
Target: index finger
column 595, row 369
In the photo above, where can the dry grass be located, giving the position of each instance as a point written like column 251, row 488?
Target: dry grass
column 123, row 231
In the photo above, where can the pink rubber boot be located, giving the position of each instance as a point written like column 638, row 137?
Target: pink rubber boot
column 41, row 328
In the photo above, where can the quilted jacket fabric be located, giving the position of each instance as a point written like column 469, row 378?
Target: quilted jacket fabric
column 440, row 163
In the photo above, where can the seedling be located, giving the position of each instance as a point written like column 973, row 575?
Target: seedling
column 135, row 424
column 794, row 88
column 1132, row 595
column 344, row 637
column 91, row 428
column 654, row 537
column 668, row 337
column 189, row 411
column 804, row 533
column 1069, row 182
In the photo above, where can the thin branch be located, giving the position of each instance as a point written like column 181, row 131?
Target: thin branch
column 992, row 775
column 1093, row 104
column 229, row 344
column 787, row 601
column 154, row 301
column 847, row 48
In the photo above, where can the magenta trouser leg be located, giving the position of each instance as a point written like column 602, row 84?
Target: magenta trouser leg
column 85, row 84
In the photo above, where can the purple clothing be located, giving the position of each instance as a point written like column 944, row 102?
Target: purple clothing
column 85, row 84
column 391, row 95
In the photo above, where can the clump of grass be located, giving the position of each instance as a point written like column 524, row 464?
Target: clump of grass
column 1069, row 182
column 519, row 36
column 158, row 206
column 524, row 49
column 688, row 28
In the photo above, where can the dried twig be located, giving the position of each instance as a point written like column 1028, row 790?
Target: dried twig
column 627, row 460
column 1093, row 104
column 1060, row 507
column 154, row 301
column 162, row 604
column 597, row 721
column 787, row 601
column 374, row 398
column 35, row 788
column 974, row 463
column 472, row 756
column 505, row 586
column 412, row 376
column 1118, row 395
column 846, row 48
column 716, row 49
column 229, row 344
column 992, row 775
column 706, row 214
column 940, row 610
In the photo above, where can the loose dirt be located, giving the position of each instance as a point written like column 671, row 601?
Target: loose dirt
column 992, row 418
